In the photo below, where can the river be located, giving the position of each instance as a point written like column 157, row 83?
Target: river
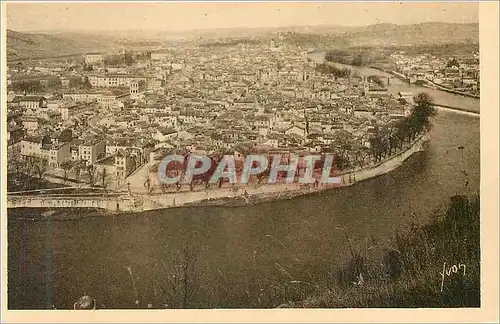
column 246, row 257
column 397, row 85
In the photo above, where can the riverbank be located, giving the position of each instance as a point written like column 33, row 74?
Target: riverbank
column 348, row 178
column 237, row 196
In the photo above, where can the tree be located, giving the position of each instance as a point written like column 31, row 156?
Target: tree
column 358, row 60
column 128, row 58
column 86, row 83
column 14, row 162
column 91, row 173
column 66, row 166
column 40, row 166
column 88, row 67
column 147, row 182
column 342, row 148
column 402, row 132
column 328, row 69
column 165, row 187
column 77, row 169
column 379, row 144
column 183, row 286
column 453, row 63
column 423, row 110
column 361, row 153
column 104, row 178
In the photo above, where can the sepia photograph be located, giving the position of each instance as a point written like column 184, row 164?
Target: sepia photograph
column 244, row 155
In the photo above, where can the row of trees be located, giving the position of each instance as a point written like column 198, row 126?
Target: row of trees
column 347, row 57
column 22, row 169
column 328, row 69
column 377, row 80
column 126, row 58
column 43, row 86
column 36, row 85
column 91, row 175
column 387, row 140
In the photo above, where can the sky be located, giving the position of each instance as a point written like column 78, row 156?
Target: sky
column 170, row 16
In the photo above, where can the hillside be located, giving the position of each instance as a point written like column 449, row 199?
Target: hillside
column 26, row 45
column 407, row 274
column 419, row 34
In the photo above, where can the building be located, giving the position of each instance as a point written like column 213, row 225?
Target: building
column 68, row 110
column 30, row 123
column 15, row 133
column 164, row 133
column 54, row 153
column 118, row 166
column 114, row 80
column 125, row 163
column 136, row 88
column 91, row 150
column 106, row 99
column 94, row 58
column 296, row 130
column 160, row 56
column 111, row 100
column 32, row 103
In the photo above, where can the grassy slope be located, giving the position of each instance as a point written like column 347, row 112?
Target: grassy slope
column 408, row 274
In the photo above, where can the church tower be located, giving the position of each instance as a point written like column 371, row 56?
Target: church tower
column 366, row 86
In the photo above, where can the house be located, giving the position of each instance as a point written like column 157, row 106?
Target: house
column 165, row 133
column 118, row 166
column 54, row 153
column 112, row 100
column 139, row 148
column 94, row 58
column 91, row 150
column 125, row 163
column 30, row 123
column 57, row 153
column 136, row 88
column 32, row 103
column 294, row 129
column 160, row 56
column 68, row 110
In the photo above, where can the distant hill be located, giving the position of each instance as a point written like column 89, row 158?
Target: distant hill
column 373, row 35
column 25, row 45
column 418, row 34
column 31, row 45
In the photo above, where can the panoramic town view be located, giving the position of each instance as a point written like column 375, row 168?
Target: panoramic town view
column 302, row 161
